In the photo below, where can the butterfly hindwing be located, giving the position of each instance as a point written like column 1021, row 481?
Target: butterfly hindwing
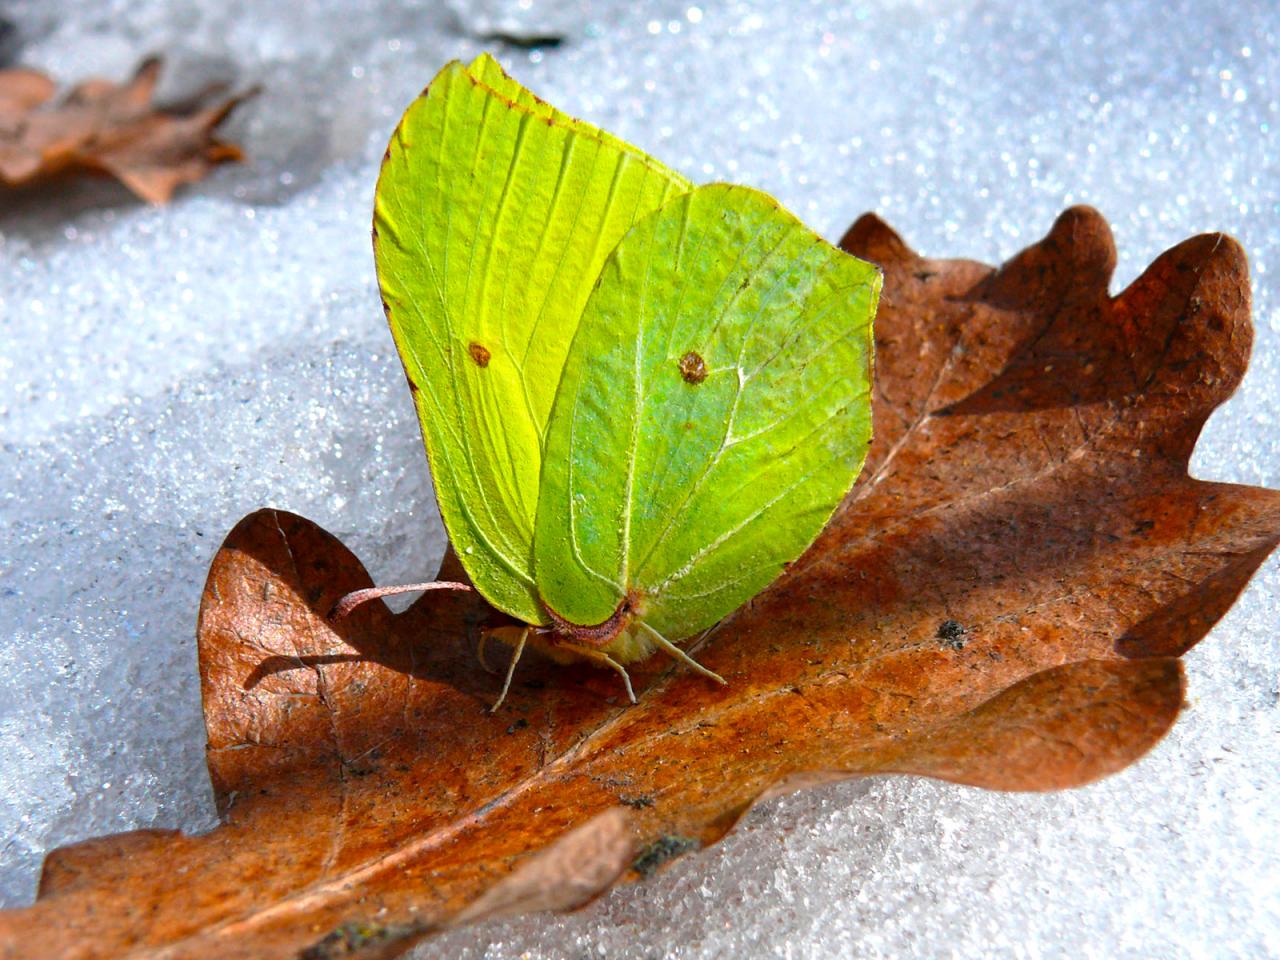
column 493, row 216
column 713, row 413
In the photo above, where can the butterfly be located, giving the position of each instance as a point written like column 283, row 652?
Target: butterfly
column 641, row 398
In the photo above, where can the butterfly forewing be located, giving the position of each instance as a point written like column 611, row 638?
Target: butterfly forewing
column 489, row 72
column 713, row 412
column 492, row 218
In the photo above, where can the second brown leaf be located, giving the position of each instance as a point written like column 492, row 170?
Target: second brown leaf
column 101, row 127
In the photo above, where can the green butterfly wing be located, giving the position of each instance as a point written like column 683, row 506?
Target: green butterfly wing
column 489, row 72
column 713, row 413
column 493, row 216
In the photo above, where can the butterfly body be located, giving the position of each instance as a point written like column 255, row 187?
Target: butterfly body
column 628, row 645
column 641, row 399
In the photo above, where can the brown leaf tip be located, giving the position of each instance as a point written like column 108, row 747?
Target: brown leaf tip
column 479, row 354
column 693, row 368
column 873, row 239
column 1083, row 236
column 575, row 868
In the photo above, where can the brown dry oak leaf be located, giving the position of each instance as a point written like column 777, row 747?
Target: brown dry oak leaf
column 102, row 127
column 1001, row 601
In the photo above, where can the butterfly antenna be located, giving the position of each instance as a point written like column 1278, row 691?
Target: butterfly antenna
column 679, row 654
column 357, row 597
column 511, row 669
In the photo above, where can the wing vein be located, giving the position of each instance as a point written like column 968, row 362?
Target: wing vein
column 694, row 487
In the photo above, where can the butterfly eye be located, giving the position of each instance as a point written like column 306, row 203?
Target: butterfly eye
column 692, row 368
column 479, row 354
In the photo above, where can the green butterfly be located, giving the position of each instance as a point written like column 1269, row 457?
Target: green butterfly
column 641, row 399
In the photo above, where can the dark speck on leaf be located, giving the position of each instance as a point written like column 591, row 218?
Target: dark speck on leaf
column 479, row 354
column 662, row 850
column 351, row 939
column 692, row 368
column 518, row 725
column 952, row 634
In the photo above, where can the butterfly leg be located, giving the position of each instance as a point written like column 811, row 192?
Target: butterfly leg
column 679, row 654
column 357, row 597
column 511, row 668
column 606, row 660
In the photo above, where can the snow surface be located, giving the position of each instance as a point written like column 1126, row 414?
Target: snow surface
column 163, row 372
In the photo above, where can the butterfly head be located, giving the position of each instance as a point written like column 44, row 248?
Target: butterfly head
column 603, row 635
